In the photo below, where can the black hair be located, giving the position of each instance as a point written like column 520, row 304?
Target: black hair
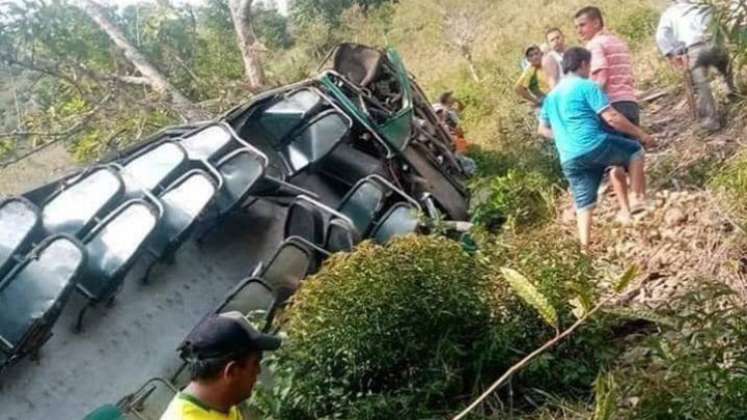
column 591, row 12
column 444, row 97
column 210, row 368
column 207, row 369
column 574, row 57
column 530, row 49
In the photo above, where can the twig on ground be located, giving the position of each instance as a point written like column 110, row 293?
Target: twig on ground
column 531, row 356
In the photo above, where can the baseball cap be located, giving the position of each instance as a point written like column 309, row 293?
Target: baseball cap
column 224, row 335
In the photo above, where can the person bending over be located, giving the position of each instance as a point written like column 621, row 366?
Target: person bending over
column 685, row 37
column 573, row 115
column 532, row 84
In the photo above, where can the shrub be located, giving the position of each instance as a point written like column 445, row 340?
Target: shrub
column 413, row 329
column 517, row 199
column 566, row 278
column 388, row 331
column 697, row 369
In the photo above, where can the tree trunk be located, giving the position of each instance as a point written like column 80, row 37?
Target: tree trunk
column 467, row 54
column 153, row 77
column 242, row 22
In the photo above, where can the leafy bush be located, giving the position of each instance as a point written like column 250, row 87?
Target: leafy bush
column 517, row 199
column 413, row 329
column 567, row 280
column 386, row 331
column 695, row 370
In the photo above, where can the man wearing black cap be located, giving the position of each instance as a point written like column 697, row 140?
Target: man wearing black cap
column 223, row 353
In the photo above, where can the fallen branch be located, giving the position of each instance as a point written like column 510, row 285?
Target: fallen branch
column 60, row 136
column 526, row 360
column 654, row 96
column 531, row 356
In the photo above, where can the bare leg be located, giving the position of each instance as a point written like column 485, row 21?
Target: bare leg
column 620, row 185
column 583, row 218
column 637, row 181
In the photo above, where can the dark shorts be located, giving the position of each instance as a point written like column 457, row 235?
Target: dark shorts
column 630, row 110
column 585, row 172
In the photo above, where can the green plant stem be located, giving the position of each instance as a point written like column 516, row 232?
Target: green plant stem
column 531, row 356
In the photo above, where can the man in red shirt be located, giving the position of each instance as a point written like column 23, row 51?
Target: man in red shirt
column 611, row 63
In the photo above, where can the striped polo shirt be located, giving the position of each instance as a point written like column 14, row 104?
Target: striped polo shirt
column 612, row 53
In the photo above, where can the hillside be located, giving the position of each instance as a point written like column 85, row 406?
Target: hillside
column 649, row 321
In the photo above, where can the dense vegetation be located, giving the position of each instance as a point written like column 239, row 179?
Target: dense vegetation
column 418, row 328
column 413, row 328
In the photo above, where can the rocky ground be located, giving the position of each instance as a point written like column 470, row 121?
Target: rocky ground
column 686, row 236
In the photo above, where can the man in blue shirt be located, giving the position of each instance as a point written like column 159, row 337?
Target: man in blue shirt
column 572, row 114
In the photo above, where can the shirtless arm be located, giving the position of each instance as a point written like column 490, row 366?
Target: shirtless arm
column 551, row 69
column 524, row 93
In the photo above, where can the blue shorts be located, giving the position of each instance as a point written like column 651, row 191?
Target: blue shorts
column 585, row 172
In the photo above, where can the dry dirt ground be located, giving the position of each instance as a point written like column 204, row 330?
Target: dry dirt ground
column 36, row 170
column 685, row 236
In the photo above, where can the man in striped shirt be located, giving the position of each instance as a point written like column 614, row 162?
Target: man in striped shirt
column 611, row 63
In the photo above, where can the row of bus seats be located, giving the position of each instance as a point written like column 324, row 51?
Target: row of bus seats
column 363, row 212
column 310, row 237
column 146, row 403
column 87, row 234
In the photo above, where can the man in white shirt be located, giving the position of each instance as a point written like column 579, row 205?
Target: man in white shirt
column 552, row 61
column 685, row 37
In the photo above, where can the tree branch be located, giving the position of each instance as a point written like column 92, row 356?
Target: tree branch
column 531, row 356
column 39, row 66
column 156, row 80
column 60, row 136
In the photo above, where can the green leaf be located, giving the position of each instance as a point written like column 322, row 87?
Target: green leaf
column 529, row 294
column 626, row 278
column 605, row 389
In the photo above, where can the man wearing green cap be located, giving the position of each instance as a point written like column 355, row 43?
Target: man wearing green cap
column 223, row 353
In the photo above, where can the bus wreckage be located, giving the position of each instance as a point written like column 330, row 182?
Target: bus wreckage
column 355, row 153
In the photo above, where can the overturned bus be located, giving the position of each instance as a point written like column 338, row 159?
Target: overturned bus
column 229, row 214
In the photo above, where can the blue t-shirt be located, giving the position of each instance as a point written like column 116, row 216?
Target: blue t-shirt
column 572, row 111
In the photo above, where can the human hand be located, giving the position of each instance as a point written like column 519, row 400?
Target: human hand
column 679, row 62
column 647, row 140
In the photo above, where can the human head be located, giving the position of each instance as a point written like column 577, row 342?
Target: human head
column 533, row 54
column 555, row 39
column 446, row 98
column 577, row 60
column 224, row 352
column 589, row 22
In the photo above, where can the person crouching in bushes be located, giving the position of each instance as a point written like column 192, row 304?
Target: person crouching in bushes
column 532, row 85
column 447, row 110
column 223, row 354
column 573, row 115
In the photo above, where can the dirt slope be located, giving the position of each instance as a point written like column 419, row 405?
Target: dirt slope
column 687, row 236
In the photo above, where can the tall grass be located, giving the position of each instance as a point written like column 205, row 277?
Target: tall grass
column 493, row 114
